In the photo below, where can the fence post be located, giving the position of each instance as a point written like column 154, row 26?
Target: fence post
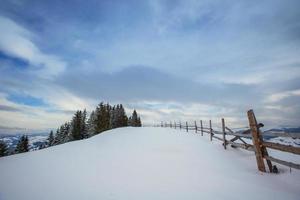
column 210, row 130
column 161, row 124
column 170, row 124
column 180, row 125
column 196, row 128
column 175, row 124
column 223, row 130
column 187, row 126
column 256, row 141
column 201, row 127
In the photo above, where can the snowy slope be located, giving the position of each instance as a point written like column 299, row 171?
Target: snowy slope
column 142, row 163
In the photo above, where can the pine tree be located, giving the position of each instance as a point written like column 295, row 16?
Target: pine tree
column 130, row 121
column 121, row 117
column 3, row 149
column 84, row 130
column 66, row 132
column 91, row 124
column 102, row 118
column 58, row 135
column 77, row 126
column 62, row 134
column 23, row 145
column 139, row 123
column 135, row 120
column 51, row 139
column 113, row 117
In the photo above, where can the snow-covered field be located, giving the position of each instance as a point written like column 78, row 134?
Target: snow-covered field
column 143, row 163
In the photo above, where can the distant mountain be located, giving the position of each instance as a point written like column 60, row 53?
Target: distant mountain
column 35, row 140
column 284, row 140
column 287, row 129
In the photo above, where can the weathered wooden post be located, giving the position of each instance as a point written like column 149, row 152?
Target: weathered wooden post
column 175, row 124
column 161, row 124
column 210, row 130
column 223, row 131
column 180, row 125
column 187, row 126
column 256, row 141
column 201, row 125
column 196, row 128
column 170, row 124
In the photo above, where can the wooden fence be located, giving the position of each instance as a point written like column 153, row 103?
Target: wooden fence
column 259, row 146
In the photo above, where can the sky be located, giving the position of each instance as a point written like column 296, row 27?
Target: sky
column 171, row 60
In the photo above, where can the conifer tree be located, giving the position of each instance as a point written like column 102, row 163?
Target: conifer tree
column 84, row 131
column 135, row 120
column 3, row 149
column 66, row 132
column 122, row 119
column 50, row 139
column 62, row 134
column 91, row 124
column 139, row 123
column 113, row 117
column 102, row 118
column 129, row 121
column 77, row 126
column 23, row 145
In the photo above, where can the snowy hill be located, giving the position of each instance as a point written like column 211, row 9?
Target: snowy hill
column 143, row 163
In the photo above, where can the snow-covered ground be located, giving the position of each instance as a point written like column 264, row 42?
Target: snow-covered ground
column 286, row 141
column 143, row 163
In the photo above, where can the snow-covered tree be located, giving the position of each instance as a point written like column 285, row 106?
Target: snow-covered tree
column 3, row 149
column 50, row 139
column 91, row 124
column 23, row 145
column 62, row 134
column 76, row 126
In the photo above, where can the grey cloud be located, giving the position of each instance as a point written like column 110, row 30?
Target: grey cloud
column 9, row 108
column 142, row 83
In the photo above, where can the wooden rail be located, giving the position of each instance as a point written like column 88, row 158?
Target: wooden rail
column 281, row 147
column 259, row 146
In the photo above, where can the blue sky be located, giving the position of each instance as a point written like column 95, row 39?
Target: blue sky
column 171, row 60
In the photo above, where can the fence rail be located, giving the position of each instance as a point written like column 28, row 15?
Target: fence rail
column 259, row 146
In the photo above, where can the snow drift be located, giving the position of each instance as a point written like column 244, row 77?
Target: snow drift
column 142, row 163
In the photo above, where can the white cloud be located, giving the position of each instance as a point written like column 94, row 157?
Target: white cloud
column 153, row 112
column 282, row 95
column 16, row 41
column 29, row 117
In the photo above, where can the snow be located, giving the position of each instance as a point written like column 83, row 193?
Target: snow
column 142, row 163
column 286, row 141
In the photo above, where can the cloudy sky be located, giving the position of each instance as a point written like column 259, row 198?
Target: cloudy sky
column 170, row 60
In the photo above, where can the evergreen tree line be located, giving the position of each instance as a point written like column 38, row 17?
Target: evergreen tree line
column 104, row 117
